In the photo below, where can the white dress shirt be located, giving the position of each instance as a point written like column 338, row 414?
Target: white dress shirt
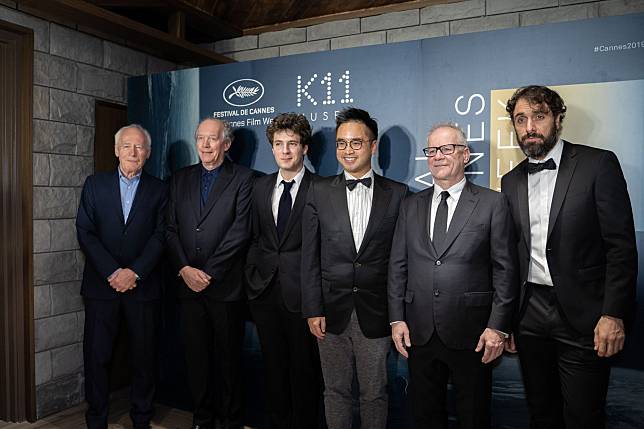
column 452, row 201
column 541, row 187
column 359, row 203
column 279, row 188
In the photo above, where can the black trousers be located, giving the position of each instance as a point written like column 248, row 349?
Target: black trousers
column 291, row 362
column 430, row 367
column 102, row 319
column 565, row 381
column 213, row 333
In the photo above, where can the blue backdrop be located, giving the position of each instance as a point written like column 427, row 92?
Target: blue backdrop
column 597, row 65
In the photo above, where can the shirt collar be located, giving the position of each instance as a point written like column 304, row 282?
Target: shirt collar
column 205, row 171
column 349, row 176
column 296, row 179
column 454, row 191
column 555, row 154
column 134, row 178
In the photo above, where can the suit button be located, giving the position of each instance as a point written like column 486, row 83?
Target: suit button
column 548, row 249
column 355, row 289
column 436, row 292
column 198, row 249
column 357, row 265
column 438, row 262
column 198, row 229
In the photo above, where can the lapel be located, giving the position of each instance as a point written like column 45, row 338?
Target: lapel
column 298, row 205
column 338, row 200
column 194, row 189
column 424, row 205
column 265, row 209
column 379, row 205
column 523, row 205
column 115, row 195
column 140, row 195
column 223, row 180
column 466, row 204
column 564, row 175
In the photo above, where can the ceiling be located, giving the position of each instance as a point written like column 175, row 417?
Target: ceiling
column 177, row 29
column 211, row 20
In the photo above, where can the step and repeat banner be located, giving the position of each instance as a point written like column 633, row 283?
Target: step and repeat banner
column 596, row 65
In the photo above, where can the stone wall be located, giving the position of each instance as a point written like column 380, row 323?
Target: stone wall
column 433, row 21
column 71, row 71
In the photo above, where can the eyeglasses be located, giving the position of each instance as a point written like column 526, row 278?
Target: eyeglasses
column 446, row 149
column 355, row 144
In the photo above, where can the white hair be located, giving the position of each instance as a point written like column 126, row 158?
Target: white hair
column 462, row 139
column 146, row 135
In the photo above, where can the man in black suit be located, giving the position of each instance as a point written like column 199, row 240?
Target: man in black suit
column 452, row 286
column 578, row 257
column 292, row 364
column 120, row 227
column 347, row 227
column 208, row 232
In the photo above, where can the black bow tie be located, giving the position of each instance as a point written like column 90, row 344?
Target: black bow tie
column 534, row 167
column 352, row 183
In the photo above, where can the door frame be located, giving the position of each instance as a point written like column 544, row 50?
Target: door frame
column 17, row 354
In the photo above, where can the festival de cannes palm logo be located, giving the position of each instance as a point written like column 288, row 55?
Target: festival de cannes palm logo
column 243, row 92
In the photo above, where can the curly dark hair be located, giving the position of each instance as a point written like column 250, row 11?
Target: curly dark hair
column 352, row 114
column 290, row 121
column 536, row 94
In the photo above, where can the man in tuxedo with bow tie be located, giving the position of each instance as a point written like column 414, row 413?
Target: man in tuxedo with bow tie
column 347, row 227
column 121, row 227
column 578, row 264
column 290, row 352
column 208, row 233
column 452, row 286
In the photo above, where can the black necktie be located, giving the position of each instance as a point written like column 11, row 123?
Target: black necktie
column 352, row 183
column 534, row 167
column 284, row 209
column 440, row 222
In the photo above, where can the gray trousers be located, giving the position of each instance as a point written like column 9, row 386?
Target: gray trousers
column 339, row 355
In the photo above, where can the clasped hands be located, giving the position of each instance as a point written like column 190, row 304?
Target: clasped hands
column 490, row 341
column 196, row 279
column 122, row 280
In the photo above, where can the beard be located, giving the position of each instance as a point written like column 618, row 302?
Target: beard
column 538, row 150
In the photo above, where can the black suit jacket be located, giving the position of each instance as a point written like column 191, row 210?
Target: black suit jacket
column 213, row 239
column 591, row 250
column 467, row 284
column 269, row 256
column 109, row 242
column 337, row 277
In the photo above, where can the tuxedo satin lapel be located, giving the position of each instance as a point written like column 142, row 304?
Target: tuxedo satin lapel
column 566, row 170
column 140, row 195
column 423, row 212
column 379, row 205
column 115, row 196
column 194, row 190
column 223, row 180
column 466, row 204
column 524, row 206
column 298, row 205
column 338, row 199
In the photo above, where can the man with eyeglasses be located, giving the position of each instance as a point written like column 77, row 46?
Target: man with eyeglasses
column 578, row 254
column 208, row 232
column 347, row 227
column 452, row 286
